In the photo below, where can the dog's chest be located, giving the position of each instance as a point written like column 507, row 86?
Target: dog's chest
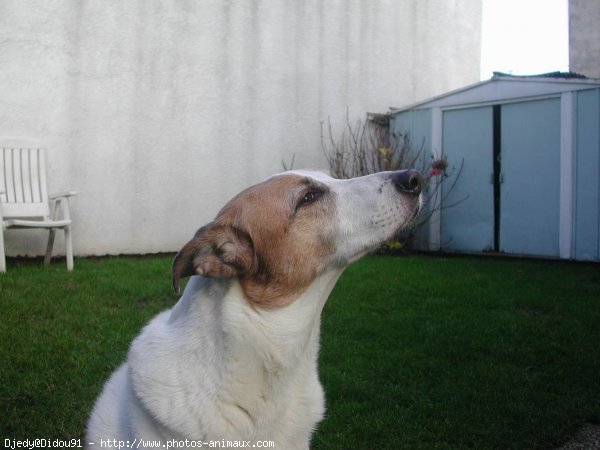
column 201, row 379
column 272, row 402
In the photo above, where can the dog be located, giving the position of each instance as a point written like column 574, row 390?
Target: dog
column 236, row 358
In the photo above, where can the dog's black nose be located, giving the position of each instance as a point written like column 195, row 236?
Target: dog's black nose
column 408, row 181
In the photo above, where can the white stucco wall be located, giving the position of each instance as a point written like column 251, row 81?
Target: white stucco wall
column 584, row 37
column 157, row 112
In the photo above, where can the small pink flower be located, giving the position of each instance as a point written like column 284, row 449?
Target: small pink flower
column 438, row 167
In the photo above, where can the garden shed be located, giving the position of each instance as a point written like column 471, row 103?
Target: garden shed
column 528, row 150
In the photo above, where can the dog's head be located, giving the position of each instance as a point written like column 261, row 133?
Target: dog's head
column 277, row 236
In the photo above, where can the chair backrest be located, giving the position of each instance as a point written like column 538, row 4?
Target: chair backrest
column 23, row 179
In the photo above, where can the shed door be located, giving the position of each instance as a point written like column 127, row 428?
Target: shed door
column 529, row 199
column 467, row 138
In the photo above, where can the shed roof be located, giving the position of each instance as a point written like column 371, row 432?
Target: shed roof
column 504, row 88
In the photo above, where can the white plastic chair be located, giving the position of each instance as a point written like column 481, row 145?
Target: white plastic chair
column 24, row 201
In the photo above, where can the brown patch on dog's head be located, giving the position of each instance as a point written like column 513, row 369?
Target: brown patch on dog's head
column 275, row 237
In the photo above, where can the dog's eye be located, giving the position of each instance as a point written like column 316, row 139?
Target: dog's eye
column 310, row 197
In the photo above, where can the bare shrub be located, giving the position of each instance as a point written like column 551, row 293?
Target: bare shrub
column 365, row 147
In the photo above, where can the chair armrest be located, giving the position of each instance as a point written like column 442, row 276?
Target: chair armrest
column 62, row 195
column 61, row 201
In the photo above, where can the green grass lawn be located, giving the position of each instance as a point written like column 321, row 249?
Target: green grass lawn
column 417, row 352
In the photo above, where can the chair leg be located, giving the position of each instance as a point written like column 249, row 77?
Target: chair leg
column 2, row 259
column 49, row 246
column 68, row 248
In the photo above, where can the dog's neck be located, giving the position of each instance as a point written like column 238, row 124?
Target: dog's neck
column 278, row 338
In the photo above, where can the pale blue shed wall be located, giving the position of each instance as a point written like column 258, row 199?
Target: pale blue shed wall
column 586, row 239
column 417, row 124
column 586, row 189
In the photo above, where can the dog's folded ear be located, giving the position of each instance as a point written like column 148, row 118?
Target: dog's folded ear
column 216, row 251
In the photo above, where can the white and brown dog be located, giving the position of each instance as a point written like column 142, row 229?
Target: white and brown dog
column 236, row 357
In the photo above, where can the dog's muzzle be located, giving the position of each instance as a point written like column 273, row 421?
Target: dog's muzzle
column 407, row 181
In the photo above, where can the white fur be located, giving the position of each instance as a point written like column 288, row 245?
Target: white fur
column 217, row 367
